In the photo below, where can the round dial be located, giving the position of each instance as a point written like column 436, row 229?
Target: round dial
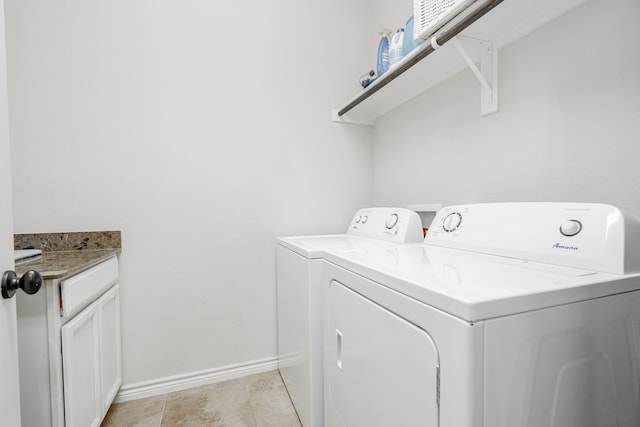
column 391, row 221
column 451, row 222
column 358, row 219
column 571, row 227
column 365, row 219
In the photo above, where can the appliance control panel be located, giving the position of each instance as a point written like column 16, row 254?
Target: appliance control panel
column 582, row 235
column 396, row 225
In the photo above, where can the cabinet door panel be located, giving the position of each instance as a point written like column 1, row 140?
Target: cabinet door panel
column 81, row 368
column 111, row 366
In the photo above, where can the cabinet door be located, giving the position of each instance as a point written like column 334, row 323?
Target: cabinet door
column 81, row 368
column 111, row 363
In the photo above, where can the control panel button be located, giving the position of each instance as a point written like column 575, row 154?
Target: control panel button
column 571, row 227
column 391, row 221
column 451, row 222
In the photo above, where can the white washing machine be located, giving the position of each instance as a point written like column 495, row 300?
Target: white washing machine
column 509, row 315
column 299, row 284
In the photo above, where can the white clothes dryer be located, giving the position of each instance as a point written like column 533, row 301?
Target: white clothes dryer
column 517, row 314
column 299, row 286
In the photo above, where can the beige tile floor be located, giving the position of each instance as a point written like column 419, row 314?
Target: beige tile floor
column 259, row 400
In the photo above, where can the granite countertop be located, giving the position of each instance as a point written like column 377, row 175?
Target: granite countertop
column 64, row 254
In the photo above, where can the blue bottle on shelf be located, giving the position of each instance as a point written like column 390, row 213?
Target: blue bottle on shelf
column 383, row 51
column 408, row 42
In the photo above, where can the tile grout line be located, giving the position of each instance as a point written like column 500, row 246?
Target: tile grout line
column 164, row 405
column 253, row 415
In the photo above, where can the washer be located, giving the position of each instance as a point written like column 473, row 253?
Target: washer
column 518, row 314
column 299, row 284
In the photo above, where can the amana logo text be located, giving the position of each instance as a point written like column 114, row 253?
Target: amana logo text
column 559, row 246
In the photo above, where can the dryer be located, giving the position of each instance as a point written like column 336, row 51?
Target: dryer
column 299, row 298
column 509, row 314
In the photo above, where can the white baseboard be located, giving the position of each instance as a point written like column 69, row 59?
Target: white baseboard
column 180, row 382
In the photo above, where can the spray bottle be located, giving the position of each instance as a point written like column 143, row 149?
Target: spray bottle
column 383, row 51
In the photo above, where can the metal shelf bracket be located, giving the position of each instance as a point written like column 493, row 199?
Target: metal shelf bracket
column 487, row 74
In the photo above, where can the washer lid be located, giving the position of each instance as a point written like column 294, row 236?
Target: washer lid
column 474, row 286
column 368, row 227
column 314, row 246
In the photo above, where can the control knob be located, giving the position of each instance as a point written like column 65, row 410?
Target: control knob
column 391, row 221
column 451, row 222
column 570, row 228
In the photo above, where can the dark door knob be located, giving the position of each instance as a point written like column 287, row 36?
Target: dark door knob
column 30, row 282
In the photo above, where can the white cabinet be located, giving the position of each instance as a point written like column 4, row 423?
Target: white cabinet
column 81, row 368
column 110, row 350
column 69, row 344
column 91, row 361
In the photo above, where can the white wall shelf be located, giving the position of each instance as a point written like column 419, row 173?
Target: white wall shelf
column 481, row 30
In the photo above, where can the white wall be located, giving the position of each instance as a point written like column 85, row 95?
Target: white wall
column 201, row 130
column 567, row 129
